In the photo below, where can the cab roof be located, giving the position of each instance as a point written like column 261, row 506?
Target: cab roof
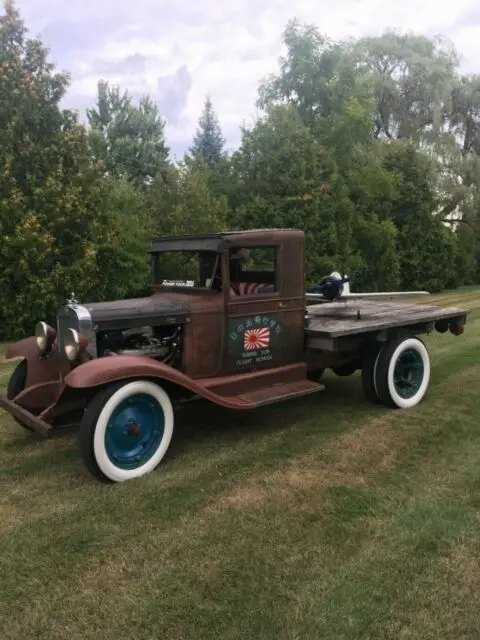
column 220, row 241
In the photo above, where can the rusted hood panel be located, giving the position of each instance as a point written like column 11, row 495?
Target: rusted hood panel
column 150, row 310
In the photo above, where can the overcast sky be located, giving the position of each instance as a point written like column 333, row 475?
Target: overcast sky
column 178, row 50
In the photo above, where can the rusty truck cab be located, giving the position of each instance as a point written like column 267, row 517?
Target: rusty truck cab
column 245, row 292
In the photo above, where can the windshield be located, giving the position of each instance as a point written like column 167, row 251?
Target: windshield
column 187, row 269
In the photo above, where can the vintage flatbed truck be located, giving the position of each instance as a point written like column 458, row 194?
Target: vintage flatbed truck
column 229, row 321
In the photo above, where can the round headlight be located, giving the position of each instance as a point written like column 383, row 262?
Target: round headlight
column 72, row 344
column 44, row 335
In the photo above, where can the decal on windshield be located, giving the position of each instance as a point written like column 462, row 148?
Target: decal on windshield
column 178, row 283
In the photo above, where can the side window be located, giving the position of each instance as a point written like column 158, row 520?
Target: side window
column 253, row 271
column 262, row 259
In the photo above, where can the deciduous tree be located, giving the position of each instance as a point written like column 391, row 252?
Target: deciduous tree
column 50, row 193
column 126, row 139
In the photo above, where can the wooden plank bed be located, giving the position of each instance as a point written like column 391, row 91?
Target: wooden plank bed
column 327, row 323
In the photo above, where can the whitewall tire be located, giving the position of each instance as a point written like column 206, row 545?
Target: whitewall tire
column 402, row 373
column 126, row 430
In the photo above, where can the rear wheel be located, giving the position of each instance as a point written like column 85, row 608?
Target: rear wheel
column 369, row 365
column 126, row 430
column 402, row 373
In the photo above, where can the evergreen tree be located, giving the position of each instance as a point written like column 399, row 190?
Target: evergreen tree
column 208, row 141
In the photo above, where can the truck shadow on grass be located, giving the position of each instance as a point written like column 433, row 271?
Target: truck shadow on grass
column 202, row 421
column 203, row 429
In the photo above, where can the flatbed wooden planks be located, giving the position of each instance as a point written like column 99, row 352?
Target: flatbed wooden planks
column 338, row 319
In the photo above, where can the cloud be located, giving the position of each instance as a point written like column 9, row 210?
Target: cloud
column 135, row 64
column 469, row 17
column 173, row 90
column 180, row 51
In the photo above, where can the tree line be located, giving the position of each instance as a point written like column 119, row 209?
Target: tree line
column 370, row 146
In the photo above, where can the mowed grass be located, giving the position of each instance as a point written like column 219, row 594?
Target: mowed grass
column 321, row 518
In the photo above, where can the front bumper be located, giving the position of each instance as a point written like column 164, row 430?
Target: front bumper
column 25, row 417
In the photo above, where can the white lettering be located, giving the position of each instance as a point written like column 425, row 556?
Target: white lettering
column 239, row 363
column 178, row 283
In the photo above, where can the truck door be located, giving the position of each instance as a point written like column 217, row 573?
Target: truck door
column 265, row 328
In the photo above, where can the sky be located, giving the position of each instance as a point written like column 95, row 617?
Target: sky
column 177, row 51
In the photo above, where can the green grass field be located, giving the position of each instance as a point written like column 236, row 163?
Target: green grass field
column 322, row 518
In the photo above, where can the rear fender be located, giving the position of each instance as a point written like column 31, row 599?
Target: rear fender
column 105, row 370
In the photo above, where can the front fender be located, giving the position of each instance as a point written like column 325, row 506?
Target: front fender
column 39, row 369
column 22, row 349
column 113, row 368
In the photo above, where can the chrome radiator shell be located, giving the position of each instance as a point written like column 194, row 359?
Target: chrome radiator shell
column 78, row 317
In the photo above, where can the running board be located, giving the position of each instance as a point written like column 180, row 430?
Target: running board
column 280, row 391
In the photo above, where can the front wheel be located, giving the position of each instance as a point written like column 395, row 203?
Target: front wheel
column 126, row 430
column 16, row 384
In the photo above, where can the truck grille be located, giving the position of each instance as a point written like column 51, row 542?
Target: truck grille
column 76, row 317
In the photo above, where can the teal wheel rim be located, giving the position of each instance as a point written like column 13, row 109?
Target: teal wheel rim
column 409, row 373
column 134, row 431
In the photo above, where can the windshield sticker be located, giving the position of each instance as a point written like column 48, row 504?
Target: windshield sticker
column 253, row 341
column 178, row 283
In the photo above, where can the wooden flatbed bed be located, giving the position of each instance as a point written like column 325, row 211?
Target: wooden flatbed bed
column 334, row 325
column 379, row 338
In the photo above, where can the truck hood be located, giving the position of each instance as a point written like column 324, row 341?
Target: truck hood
column 137, row 312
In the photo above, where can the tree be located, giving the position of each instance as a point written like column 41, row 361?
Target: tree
column 180, row 201
column 465, row 118
column 208, row 142
column 419, row 97
column 427, row 249
column 285, row 178
column 458, row 154
column 412, row 78
column 124, row 261
column 126, row 139
column 51, row 195
column 318, row 79
column 376, row 241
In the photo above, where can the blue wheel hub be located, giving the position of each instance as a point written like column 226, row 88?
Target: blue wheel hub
column 409, row 373
column 134, row 431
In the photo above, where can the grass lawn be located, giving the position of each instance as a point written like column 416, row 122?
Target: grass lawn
column 322, row 518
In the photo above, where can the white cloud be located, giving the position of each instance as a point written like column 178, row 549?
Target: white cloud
column 227, row 47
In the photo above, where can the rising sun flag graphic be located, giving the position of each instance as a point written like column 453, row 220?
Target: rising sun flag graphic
column 256, row 339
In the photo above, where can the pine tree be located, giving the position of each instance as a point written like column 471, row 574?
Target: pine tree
column 208, row 141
